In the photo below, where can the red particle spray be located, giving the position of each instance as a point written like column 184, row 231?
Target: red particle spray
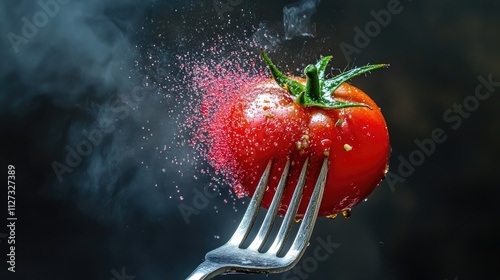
column 214, row 80
column 219, row 85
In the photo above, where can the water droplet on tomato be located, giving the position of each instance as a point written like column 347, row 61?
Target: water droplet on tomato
column 326, row 143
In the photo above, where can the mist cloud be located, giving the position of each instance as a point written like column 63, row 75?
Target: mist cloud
column 297, row 19
column 84, row 61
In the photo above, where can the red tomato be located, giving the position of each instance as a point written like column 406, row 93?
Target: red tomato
column 267, row 121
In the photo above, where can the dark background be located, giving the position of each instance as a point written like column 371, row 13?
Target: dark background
column 118, row 212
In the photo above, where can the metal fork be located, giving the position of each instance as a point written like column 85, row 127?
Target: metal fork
column 232, row 258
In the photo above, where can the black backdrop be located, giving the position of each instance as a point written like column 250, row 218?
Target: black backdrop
column 114, row 66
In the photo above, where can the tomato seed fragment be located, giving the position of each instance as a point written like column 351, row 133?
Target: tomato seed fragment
column 346, row 213
column 332, row 216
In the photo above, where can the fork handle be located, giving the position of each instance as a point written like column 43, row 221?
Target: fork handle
column 206, row 270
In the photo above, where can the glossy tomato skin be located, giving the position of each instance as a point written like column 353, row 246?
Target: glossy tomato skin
column 264, row 123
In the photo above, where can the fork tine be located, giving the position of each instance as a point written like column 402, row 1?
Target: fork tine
column 284, row 230
column 306, row 228
column 231, row 258
column 268, row 222
column 248, row 219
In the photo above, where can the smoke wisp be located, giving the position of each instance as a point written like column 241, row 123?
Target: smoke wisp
column 297, row 19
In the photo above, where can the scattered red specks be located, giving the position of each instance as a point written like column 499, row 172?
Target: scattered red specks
column 211, row 77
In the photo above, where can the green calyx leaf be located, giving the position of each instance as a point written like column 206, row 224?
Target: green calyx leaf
column 318, row 91
column 292, row 86
column 332, row 84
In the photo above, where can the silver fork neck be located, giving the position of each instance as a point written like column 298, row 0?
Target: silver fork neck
column 206, row 270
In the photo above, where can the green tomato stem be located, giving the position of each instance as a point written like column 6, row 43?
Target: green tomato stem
column 312, row 83
column 318, row 91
